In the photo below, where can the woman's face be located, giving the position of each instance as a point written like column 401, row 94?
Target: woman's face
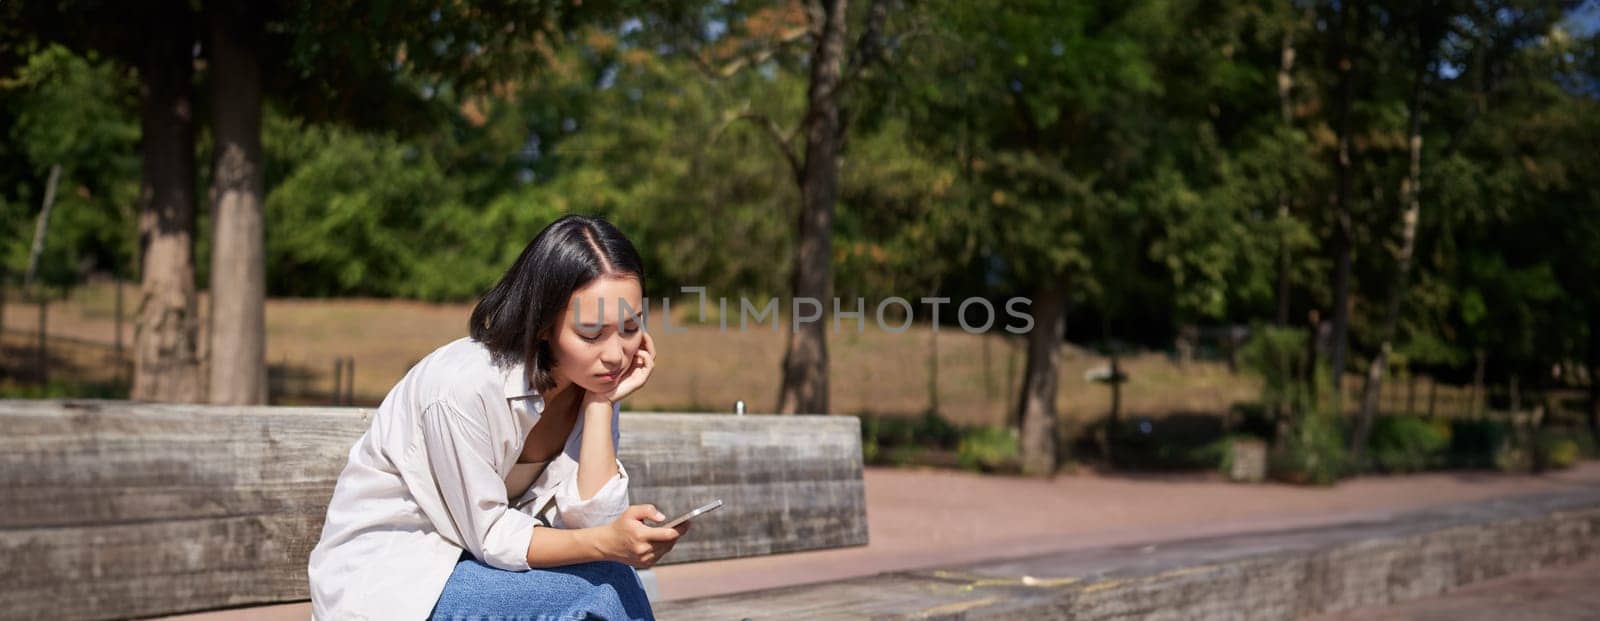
column 592, row 350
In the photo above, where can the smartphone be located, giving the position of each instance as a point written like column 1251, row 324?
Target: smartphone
column 697, row 512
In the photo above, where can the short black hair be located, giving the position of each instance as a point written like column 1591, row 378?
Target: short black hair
column 517, row 316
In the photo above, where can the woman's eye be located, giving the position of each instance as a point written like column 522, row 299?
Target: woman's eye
column 590, row 338
column 630, row 329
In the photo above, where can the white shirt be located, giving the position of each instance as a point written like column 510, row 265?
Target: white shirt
column 428, row 480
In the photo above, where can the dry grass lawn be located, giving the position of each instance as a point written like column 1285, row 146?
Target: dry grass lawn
column 703, row 367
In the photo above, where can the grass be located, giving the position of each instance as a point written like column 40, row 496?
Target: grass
column 703, row 368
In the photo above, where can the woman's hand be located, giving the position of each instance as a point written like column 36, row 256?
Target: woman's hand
column 633, row 543
column 644, row 361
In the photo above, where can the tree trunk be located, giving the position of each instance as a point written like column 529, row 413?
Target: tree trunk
column 933, row 369
column 1411, row 391
column 1286, row 112
column 41, row 228
column 1038, row 400
column 1108, row 439
column 805, row 364
column 166, row 367
column 1477, row 382
column 1513, row 387
column 1594, row 373
column 238, row 271
column 1409, row 190
column 1313, row 354
column 1343, row 226
column 1114, row 423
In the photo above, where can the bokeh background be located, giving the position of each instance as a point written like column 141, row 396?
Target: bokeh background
column 1361, row 234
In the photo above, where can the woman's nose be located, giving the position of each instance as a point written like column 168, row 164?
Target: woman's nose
column 615, row 353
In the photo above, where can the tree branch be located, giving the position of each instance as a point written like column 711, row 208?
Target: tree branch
column 773, row 131
column 732, row 68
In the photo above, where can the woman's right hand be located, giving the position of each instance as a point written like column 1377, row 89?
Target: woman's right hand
column 631, row 542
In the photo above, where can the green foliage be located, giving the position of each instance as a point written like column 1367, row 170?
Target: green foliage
column 1476, row 443
column 1400, row 444
column 1279, row 357
column 1555, row 449
column 903, row 440
column 1313, row 453
column 1136, row 153
column 76, row 111
column 988, row 449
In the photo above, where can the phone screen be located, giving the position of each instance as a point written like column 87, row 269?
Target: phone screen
column 698, row 511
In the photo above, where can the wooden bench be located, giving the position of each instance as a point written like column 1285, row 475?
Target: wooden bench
column 112, row 509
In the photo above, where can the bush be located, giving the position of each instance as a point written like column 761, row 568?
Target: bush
column 904, row 455
column 988, row 449
column 1408, row 444
column 1314, row 452
column 899, row 440
column 1179, row 441
column 1278, row 356
column 933, row 430
column 1480, row 444
column 1555, row 449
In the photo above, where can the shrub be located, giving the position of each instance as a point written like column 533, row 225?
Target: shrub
column 1408, row 443
column 904, row 455
column 933, row 430
column 1314, row 452
column 988, row 449
column 1278, row 356
column 1555, row 449
column 1481, row 443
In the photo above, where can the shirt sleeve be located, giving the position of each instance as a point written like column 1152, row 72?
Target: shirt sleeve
column 460, row 456
column 607, row 504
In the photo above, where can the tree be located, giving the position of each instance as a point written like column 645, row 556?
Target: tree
column 1425, row 25
column 1341, row 245
column 166, row 337
column 238, row 351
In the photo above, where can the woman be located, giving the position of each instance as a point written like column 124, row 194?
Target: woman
column 488, row 483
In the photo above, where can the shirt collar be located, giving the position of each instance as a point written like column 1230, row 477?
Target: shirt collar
column 520, row 397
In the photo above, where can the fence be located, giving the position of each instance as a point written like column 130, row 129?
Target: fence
column 54, row 365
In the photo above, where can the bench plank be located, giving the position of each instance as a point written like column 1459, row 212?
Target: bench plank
column 116, row 509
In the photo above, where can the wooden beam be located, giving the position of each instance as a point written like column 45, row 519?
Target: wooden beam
column 116, row 509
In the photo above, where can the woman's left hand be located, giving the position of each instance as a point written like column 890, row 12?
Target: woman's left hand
column 638, row 372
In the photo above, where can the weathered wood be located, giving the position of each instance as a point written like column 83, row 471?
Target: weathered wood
column 115, row 509
column 1285, row 574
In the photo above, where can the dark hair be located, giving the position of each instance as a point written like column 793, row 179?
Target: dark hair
column 517, row 316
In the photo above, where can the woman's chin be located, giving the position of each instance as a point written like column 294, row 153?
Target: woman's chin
column 592, row 387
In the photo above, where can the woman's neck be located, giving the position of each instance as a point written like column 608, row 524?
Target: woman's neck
column 563, row 390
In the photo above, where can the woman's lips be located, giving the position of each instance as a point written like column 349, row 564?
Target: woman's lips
column 607, row 377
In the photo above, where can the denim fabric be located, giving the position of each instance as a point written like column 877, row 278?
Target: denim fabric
column 598, row 590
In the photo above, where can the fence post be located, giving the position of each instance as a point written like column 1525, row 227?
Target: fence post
column 119, row 318
column 44, row 345
column 350, row 380
column 338, row 381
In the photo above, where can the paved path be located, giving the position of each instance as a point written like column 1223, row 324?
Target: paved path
column 926, row 518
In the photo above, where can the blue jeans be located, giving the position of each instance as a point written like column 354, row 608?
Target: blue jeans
column 598, row 590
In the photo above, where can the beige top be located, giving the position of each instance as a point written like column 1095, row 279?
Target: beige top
column 430, row 478
column 522, row 476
